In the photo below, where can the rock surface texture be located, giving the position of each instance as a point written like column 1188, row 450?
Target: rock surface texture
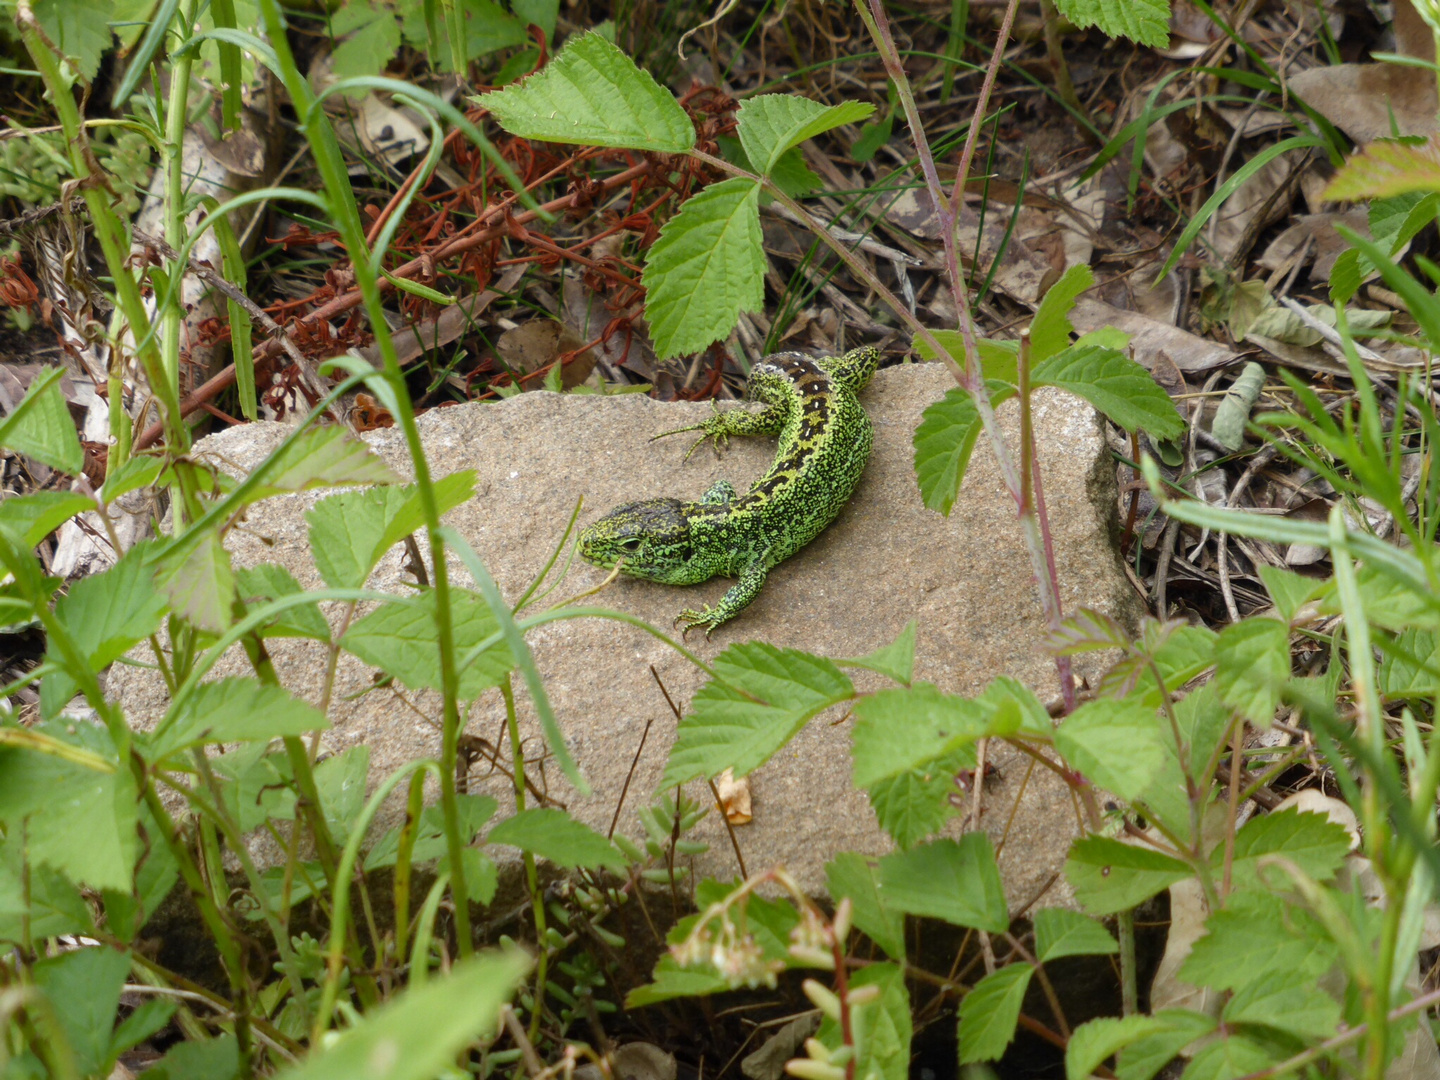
column 885, row 561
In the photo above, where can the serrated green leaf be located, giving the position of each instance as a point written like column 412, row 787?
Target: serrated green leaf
column 771, row 124
column 850, row 875
column 199, row 583
column 895, row 661
column 47, row 905
column 555, row 835
column 592, row 94
column 137, row 472
column 1050, row 330
column 1116, row 385
column 1062, row 932
column 1411, row 667
column 60, row 800
column 256, row 585
column 1386, row 168
column 208, row 1059
column 1114, row 743
column 482, row 879
column 1092, row 1042
column 705, row 269
column 474, row 811
column 371, row 38
column 41, row 427
column 351, row 531
column 795, row 178
column 673, row 981
column 237, row 710
column 417, row 1034
column 944, row 441
column 1310, row 840
column 1252, row 666
column 1288, row 590
column 957, row 881
column 1279, row 1001
column 323, row 457
column 1146, row 22
column 1109, row 876
column 1150, row 1053
column 899, row 730
column 1231, row 1057
column 1253, row 936
column 340, row 781
column 400, row 639
column 80, row 28
column 761, row 696
column 915, row 804
column 107, row 614
column 1004, row 691
column 990, row 1011
column 83, row 987
column 31, row 518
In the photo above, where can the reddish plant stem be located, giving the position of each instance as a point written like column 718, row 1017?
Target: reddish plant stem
column 1038, row 541
column 352, row 299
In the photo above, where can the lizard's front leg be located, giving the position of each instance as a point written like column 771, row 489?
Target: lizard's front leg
column 736, row 599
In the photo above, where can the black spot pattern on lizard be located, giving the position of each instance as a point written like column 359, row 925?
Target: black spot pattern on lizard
column 825, row 440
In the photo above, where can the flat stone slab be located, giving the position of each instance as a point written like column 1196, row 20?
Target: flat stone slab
column 885, row 561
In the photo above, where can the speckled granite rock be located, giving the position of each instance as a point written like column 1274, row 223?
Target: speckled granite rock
column 885, row 561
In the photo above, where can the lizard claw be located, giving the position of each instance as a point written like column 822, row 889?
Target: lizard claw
column 692, row 619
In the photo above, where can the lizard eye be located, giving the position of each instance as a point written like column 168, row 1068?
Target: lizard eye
column 630, row 545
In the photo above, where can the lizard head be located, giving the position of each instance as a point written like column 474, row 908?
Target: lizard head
column 651, row 536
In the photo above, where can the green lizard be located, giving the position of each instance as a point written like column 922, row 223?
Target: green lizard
column 825, row 441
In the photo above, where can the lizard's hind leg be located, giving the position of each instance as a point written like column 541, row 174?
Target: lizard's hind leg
column 740, row 421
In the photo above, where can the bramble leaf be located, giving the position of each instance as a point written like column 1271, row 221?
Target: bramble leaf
column 705, row 269
column 1253, row 936
column 761, row 696
column 418, row 1032
column 895, row 661
column 1116, row 385
column 237, row 710
column 851, row 875
column 1092, row 1042
column 957, row 881
column 1144, row 21
column 1147, row 1055
column 1062, row 932
column 1252, row 665
column 555, row 835
column 1386, row 168
column 770, row 124
column 1310, row 840
column 400, row 639
column 1050, row 330
column 1109, row 876
column 990, row 1011
column 199, row 583
column 322, row 457
column 1280, row 1001
column 41, row 427
column 591, row 93
column 31, row 518
column 1114, row 743
column 350, row 531
column 899, row 730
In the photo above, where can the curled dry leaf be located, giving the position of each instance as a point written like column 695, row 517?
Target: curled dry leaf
column 734, row 797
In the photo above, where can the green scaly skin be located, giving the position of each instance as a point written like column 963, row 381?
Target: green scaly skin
column 825, row 440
